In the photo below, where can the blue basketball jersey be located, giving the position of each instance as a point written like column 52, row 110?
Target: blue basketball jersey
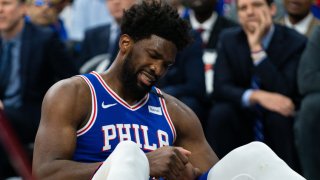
column 112, row 120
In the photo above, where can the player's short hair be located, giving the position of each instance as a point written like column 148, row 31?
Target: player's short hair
column 155, row 17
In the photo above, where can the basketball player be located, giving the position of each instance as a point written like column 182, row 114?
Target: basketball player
column 117, row 125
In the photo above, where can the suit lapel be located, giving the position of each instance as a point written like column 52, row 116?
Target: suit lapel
column 243, row 58
column 313, row 23
column 103, row 38
column 216, row 28
column 26, row 45
column 277, row 46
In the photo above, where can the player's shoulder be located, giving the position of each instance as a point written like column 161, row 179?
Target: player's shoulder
column 70, row 88
column 67, row 101
column 184, row 119
column 173, row 103
column 70, row 84
column 178, row 110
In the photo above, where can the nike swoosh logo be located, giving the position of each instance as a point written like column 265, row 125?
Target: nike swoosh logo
column 106, row 106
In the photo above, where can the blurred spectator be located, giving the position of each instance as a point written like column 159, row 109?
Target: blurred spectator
column 101, row 43
column 46, row 13
column 280, row 9
column 299, row 16
column 230, row 9
column 32, row 59
column 255, row 89
column 315, row 9
column 205, row 20
column 307, row 126
column 66, row 16
column 87, row 14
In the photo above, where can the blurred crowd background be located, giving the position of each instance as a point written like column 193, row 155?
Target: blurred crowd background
column 44, row 41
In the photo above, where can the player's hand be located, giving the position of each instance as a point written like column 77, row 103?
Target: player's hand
column 168, row 162
column 274, row 102
column 190, row 173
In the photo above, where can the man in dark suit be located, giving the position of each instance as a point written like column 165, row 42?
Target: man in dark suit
column 32, row 59
column 307, row 125
column 204, row 18
column 255, row 86
column 299, row 16
column 97, row 41
column 103, row 39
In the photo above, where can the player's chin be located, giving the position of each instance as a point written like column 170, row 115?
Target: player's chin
column 145, row 85
column 139, row 87
column 145, row 88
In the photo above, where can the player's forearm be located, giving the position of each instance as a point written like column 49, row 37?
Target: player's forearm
column 65, row 169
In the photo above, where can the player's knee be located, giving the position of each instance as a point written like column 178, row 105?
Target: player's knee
column 257, row 145
column 257, row 149
column 129, row 155
column 130, row 152
column 128, row 145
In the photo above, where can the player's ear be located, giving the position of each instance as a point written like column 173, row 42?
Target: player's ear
column 125, row 43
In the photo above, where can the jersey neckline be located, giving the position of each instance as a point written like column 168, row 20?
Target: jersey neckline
column 118, row 98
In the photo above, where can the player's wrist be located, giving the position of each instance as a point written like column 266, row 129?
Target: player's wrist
column 203, row 176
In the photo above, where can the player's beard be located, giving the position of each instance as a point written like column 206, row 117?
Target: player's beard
column 130, row 77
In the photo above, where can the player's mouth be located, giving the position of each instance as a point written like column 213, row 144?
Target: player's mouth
column 146, row 78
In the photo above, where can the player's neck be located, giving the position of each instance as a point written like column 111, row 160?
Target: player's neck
column 113, row 80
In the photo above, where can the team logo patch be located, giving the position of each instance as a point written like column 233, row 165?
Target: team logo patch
column 155, row 110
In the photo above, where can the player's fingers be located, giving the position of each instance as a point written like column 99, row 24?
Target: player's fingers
column 196, row 172
column 182, row 154
column 178, row 165
column 173, row 174
column 184, row 151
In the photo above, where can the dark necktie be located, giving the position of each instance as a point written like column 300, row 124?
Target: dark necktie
column 200, row 30
column 258, row 124
column 5, row 65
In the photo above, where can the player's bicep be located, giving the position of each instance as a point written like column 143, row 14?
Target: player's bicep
column 56, row 136
column 191, row 137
